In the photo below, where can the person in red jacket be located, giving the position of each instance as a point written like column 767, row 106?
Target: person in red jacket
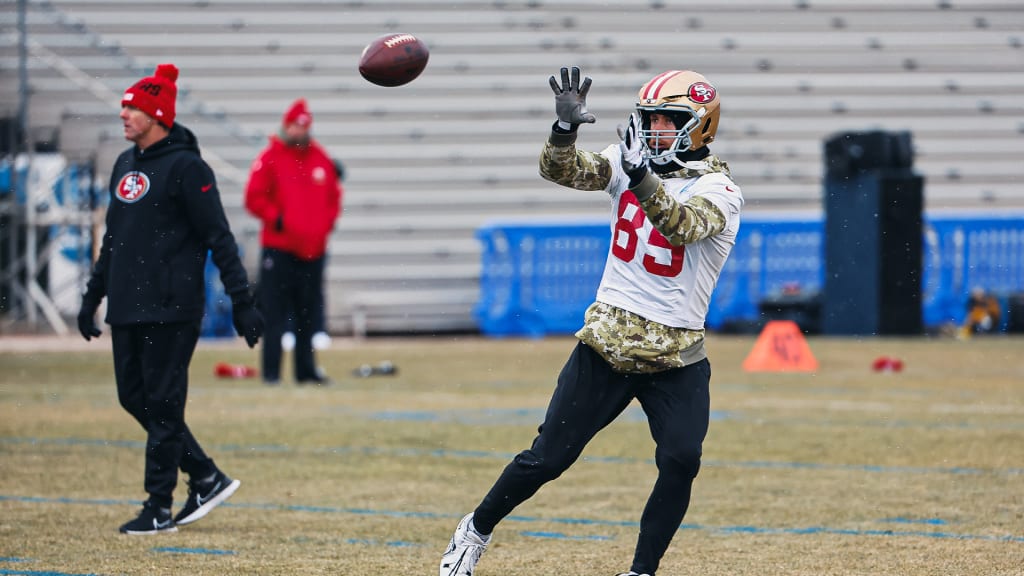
column 295, row 190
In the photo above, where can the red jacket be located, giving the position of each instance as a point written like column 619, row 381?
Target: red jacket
column 295, row 192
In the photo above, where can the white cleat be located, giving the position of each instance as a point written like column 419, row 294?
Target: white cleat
column 464, row 550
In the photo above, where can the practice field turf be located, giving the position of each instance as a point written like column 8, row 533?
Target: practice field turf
column 842, row 471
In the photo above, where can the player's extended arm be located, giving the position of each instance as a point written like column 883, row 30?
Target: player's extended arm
column 560, row 161
column 683, row 222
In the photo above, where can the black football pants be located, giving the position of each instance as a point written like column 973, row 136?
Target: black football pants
column 588, row 397
column 151, row 368
column 291, row 298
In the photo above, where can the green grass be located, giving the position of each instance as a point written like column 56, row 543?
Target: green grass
column 840, row 472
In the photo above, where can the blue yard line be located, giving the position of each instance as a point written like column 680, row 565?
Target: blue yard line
column 443, row 453
column 779, row 388
column 64, row 500
column 568, row 521
column 176, row 550
column 389, row 544
column 929, row 521
column 533, row 416
column 488, row 416
column 358, row 542
column 560, row 536
column 891, row 424
column 38, row 573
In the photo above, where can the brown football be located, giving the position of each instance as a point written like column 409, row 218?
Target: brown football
column 393, row 59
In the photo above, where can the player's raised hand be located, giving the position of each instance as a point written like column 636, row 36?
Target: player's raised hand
column 571, row 98
column 633, row 162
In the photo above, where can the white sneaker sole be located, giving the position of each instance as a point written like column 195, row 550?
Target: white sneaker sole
column 213, row 503
column 150, row 532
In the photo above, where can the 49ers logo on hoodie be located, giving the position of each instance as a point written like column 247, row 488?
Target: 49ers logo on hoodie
column 132, row 187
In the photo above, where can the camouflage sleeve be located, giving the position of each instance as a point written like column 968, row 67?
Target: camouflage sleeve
column 683, row 223
column 574, row 168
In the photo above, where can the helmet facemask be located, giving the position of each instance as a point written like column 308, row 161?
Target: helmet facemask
column 684, row 120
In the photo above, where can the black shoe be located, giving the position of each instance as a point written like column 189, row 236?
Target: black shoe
column 204, row 497
column 152, row 520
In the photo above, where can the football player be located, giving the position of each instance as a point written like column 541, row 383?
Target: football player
column 674, row 213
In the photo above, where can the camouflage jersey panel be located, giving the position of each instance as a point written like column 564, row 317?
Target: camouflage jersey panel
column 632, row 344
column 573, row 168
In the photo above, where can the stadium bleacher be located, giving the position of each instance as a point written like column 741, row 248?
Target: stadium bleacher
column 431, row 162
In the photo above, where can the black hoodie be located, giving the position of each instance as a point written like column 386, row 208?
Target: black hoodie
column 164, row 215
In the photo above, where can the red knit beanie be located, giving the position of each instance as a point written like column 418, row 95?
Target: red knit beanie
column 298, row 114
column 155, row 95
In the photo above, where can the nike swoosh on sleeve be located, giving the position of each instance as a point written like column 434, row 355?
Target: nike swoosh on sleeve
column 206, row 188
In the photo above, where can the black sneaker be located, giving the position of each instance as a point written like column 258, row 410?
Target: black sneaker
column 202, row 498
column 152, row 520
column 318, row 381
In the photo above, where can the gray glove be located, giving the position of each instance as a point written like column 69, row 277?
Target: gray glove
column 571, row 99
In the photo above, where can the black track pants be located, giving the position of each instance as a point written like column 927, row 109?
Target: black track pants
column 588, row 397
column 291, row 298
column 151, row 368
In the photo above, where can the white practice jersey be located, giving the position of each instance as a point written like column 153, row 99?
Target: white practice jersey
column 644, row 273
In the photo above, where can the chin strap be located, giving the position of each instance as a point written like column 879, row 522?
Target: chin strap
column 676, row 168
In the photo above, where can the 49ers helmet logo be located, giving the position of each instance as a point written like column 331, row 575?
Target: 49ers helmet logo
column 132, row 187
column 701, row 92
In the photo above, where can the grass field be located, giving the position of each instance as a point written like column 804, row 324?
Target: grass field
column 844, row 471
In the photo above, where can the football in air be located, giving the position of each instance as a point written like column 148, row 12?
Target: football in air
column 393, row 59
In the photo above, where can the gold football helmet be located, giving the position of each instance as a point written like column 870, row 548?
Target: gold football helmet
column 690, row 101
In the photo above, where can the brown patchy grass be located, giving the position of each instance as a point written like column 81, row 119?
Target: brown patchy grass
column 841, row 472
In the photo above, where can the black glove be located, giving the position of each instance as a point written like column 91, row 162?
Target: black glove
column 571, row 99
column 339, row 169
column 247, row 319
column 87, row 318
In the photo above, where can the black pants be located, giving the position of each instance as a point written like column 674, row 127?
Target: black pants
column 588, row 397
column 291, row 298
column 151, row 368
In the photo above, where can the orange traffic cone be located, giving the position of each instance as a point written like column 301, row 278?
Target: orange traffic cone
column 781, row 347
